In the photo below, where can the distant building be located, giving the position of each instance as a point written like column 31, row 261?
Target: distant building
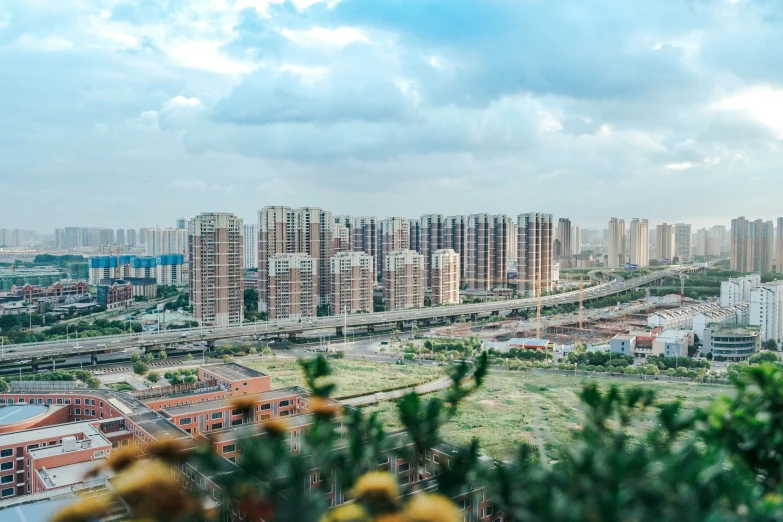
column 433, row 239
column 737, row 289
column 731, row 343
column 353, row 281
column 640, row 243
column 766, row 310
column 146, row 287
column 683, row 242
column 752, row 245
column 779, row 246
column 679, row 318
column 250, row 245
column 32, row 293
column 616, row 242
column 403, row 280
column 118, row 294
column 293, row 286
column 666, row 245
column 366, row 237
column 169, row 270
column 534, row 253
column 444, row 277
column 530, row 344
column 734, row 314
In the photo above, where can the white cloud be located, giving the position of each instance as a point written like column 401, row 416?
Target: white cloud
column 763, row 104
column 147, row 120
column 685, row 165
column 308, row 74
column 181, row 101
column 322, row 36
column 205, row 55
column 47, row 43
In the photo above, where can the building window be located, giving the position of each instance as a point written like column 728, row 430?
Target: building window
column 229, row 448
column 428, row 455
column 7, row 492
column 32, row 447
column 21, row 399
column 383, row 460
column 236, row 422
column 217, row 415
column 403, row 467
column 78, row 401
column 284, row 413
column 7, row 479
column 266, row 407
column 6, row 453
column 67, row 401
column 5, row 466
column 217, row 426
column 435, row 459
column 284, row 403
column 98, row 454
column 184, row 421
column 59, row 401
column 78, row 411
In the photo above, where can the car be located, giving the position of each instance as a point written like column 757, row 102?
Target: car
column 78, row 346
column 11, row 351
column 98, row 372
column 183, row 336
column 116, row 341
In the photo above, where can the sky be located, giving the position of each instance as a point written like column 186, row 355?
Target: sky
column 132, row 113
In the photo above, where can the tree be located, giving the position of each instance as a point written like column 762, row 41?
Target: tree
column 153, row 377
column 266, row 351
column 140, row 368
column 253, row 351
column 414, row 331
column 764, row 356
column 227, row 359
column 148, row 358
column 3, row 385
column 395, row 335
column 135, row 358
column 189, row 357
column 771, row 344
column 162, row 355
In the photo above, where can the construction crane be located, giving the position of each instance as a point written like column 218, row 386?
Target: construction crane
column 537, row 288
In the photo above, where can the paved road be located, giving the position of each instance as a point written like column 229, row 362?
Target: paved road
column 314, row 326
column 373, row 398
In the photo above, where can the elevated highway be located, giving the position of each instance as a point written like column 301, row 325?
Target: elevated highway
column 35, row 352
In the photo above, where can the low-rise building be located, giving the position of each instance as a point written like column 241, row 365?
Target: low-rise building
column 624, row 344
column 731, row 343
column 679, row 318
column 737, row 289
column 32, row 293
column 673, row 343
column 118, row 294
column 734, row 314
column 531, row 344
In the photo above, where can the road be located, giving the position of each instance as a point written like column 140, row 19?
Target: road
column 315, row 326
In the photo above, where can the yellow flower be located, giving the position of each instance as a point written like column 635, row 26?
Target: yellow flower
column 376, row 487
column 168, row 450
column 276, row 428
column 122, row 458
column 151, row 489
column 426, row 507
column 346, row 513
column 389, row 517
column 324, row 407
column 86, row 510
column 244, row 403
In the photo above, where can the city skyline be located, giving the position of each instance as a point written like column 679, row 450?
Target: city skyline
column 384, row 110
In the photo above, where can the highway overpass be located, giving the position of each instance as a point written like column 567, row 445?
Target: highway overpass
column 39, row 352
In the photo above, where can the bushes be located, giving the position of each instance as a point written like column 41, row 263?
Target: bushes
column 140, row 368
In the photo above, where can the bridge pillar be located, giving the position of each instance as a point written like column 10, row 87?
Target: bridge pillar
column 35, row 364
column 400, row 325
column 453, row 319
column 473, row 317
column 370, row 329
column 339, row 331
column 94, row 358
column 210, row 345
column 495, row 313
column 292, row 336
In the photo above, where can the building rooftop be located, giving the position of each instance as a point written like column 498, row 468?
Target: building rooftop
column 92, row 440
column 529, row 342
column 71, row 474
column 20, row 412
column 734, row 329
column 48, row 432
column 196, row 407
column 246, row 430
column 233, row 371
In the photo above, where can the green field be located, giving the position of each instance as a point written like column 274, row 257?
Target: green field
column 539, row 407
column 351, row 377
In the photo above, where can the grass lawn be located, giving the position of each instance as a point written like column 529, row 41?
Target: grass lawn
column 351, row 377
column 533, row 407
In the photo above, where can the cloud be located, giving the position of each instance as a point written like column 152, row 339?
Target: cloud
column 763, row 104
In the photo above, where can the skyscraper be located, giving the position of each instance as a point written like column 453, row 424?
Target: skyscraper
column 121, row 240
column 763, row 239
column 306, row 230
column 665, row 245
column 752, row 245
column 741, row 246
column 293, row 285
column 181, row 223
column 455, row 237
column 576, row 241
column 215, row 251
column 487, row 248
column 683, row 241
column 779, row 247
column 394, row 235
column 616, row 243
column 640, row 242
column 445, row 277
column 432, row 230
column 534, row 252
column 366, row 238
column 564, row 235
column 250, row 241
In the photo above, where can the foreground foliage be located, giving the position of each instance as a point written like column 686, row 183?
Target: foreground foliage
column 720, row 462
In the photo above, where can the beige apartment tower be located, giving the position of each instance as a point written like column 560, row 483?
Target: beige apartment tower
column 445, row 277
column 403, row 280
column 616, row 243
column 215, row 251
column 666, row 247
column 779, row 246
column 293, row 286
column 639, row 253
column 353, row 280
column 432, row 239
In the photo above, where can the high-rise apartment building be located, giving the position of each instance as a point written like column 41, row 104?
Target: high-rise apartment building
column 293, row 285
column 752, row 245
column 403, row 280
column 142, row 236
column 639, row 253
column 432, row 228
column 564, row 236
column 182, row 224
column 250, row 235
column 616, row 243
column 414, row 233
column 306, row 230
column 341, row 238
column 15, row 237
column 160, row 241
column 395, row 235
column 683, row 242
column 120, row 235
column 707, row 242
column 666, row 244
column 346, row 223
column 366, row 237
column 215, row 251
column 766, row 310
column 488, row 246
column 737, row 290
column 131, row 237
column 455, row 237
column 353, row 281
column 576, row 241
column 534, row 258
column 444, row 277
column 779, row 246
